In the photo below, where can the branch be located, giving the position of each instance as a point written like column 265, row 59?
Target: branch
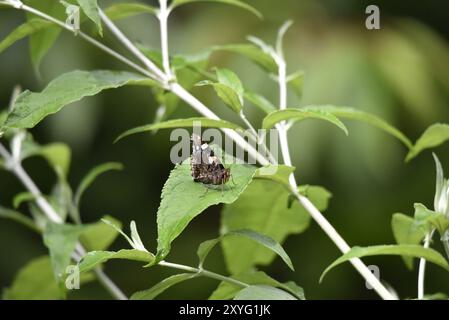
column 15, row 167
column 313, row 211
column 203, row 272
column 163, row 24
column 422, row 266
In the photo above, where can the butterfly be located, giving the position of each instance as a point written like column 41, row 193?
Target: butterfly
column 205, row 165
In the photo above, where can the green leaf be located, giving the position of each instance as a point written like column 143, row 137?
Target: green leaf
column 296, row 82
column 263, row 292
column 432, row 137
column 227, row 290
column 278, row 173
column 6, row 213
column 252, row 52
column 227, row 94
column 240, row 4
column 58, row 155
column 35, row 281
column 262, row 208
column 165, row 284
column 406, row 231
column 230, row 79
column 61, row 198
column 354, row 114
column 267, row 242
column 119, row 11
column 415, row 251
column 99, row 236
column 301, row 114
column 94, row 258
column 41, row 42
column 90, row 9
column 61, row 240
column 30, row 108
column 425, row 218
column 24, row 30
column 92, row 175
column 21, row 198
column 259, row 101
column 181, row 123
column 180, row 191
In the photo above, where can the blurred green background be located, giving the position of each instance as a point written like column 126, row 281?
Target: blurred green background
column 400, row 72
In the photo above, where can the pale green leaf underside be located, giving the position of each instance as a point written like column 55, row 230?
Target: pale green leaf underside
column 94, row 258
column 165, row 284
column 240, row 4
column 24, row 30
column 30, row 107
column 301, row 114
column 227, row 94
column 259, row 101
column 181, row 123
column 406, row 231
column 227, row 290
column 61, row 240
column 42, row 41
column 90, row 8
column 124, row 10
column 180, row 191
column 263, row 292
column 433, row 136
column 415, row 251
column 354, row 114
column 252, row 52
column 35, row 281
column 99, row 236
column 280, row 174
column 262, row 208
column 267, row 242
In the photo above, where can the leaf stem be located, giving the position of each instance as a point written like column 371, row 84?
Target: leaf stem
column 48, row 210
column 86, row 38
column 163, row 25
column 422, row 266
column 203, row 272
column 306, row 203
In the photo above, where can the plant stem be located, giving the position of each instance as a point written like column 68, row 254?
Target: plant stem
column 48, row 210
column 313, row 211
column 422, row 267
column 132, row 48
column 203, row 272
column 85, row 37
column 163, row 25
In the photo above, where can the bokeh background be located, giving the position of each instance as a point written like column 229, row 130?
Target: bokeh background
column 400, row 72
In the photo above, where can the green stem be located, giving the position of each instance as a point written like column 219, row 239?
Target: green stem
column 203, row 272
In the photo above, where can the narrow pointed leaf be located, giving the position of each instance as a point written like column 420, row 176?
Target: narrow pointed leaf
column 301, row 114
column 94, row 258
column 415, row 251
column 24, row 30
column 263, row 292
column 432, row 137
column 165, row 284
column 90, row 8
column 119, row 11
column 354, row 114
column 236, row 3
column 181, row 123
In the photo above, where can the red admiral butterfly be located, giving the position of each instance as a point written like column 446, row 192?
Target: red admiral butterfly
column 206, row 167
